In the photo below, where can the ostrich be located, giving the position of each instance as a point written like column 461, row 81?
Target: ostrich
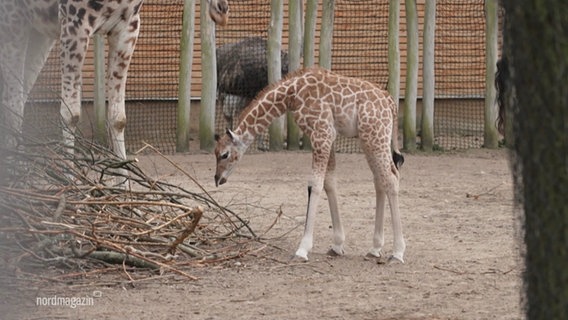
column 242, row 72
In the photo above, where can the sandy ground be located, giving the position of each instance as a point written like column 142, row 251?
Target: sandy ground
column 462, row 258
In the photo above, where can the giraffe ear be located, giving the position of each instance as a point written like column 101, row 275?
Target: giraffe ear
column 234, row 138
column 230, row 134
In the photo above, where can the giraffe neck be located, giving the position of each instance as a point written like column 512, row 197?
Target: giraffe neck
column 269, row 105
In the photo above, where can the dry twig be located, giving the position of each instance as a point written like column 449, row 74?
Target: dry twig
column 62, row 206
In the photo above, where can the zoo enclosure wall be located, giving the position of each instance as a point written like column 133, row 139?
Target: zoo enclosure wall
column 360, row 49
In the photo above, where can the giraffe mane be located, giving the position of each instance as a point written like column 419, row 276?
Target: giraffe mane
column 273, row 85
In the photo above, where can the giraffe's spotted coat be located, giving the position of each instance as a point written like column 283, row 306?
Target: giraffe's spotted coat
column 28, row 30
column 325, row 104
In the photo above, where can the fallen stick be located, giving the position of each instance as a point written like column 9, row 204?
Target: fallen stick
column 122, row 258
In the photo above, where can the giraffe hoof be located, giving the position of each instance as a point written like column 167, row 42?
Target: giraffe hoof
column 301, row 254
column 374, row 253
column 395, row 259
column 335, row 251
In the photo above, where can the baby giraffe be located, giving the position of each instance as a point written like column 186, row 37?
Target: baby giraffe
column 324, row 104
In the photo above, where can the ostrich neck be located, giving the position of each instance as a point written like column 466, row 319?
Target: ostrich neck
column 262, row 111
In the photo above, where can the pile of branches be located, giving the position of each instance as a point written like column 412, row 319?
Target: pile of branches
column 84, row 209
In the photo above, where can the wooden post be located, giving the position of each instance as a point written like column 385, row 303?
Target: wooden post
column 99, row 94
column 275, row 67
column 209, row 78
column 491, row 134
column 410, row 94
column 184, row 91
column 394, row 51
column 326, row 35
column 294, row 56
column 310, row 32
column 309, row 48
column 429, row 79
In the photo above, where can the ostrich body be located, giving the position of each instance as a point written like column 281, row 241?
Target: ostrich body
column 242, row 72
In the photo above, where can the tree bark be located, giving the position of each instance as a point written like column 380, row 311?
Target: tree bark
column 276, row 129
column 411, row 90
column 536, row 40
column 429, row 79
column 295, row 57
column 184, row 90
column 209, row 80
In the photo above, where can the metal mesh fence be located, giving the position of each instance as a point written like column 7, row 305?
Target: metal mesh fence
column 151, row 91
column 242, row 70
column 360, row 49
column 460, row 74
column 360, row 42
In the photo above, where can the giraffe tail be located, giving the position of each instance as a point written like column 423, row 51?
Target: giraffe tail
column 397, row 157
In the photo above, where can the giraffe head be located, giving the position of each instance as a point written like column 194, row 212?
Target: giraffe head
column 219, row 11
column 228, row 151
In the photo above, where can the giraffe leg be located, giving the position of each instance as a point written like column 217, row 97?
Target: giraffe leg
column 74, row 43
column 122, row 41
column 378, row 235
column 386, row 186
column 321, row 154
column 12, row 66
column 399, row 244
column 330, row 187
column 315, row 187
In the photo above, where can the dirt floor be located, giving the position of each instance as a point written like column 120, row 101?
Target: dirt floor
column 462, row 258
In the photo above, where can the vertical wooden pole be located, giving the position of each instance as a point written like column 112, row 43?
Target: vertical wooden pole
column 209, row 78
column 99, row 88
column 275, row 67
column 394, row 51
column 491, row 134
column 309, row 47
column 410, row 93
column 294, row 56
column 429, row 76
column 184, row 90
column 310, row 32
column 326, row 35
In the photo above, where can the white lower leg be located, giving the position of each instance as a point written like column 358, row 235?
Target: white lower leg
column 379, row 235
column 338, row 232
column 399, row 244
column 70, row 113
column 306, row 243
column 117, row 125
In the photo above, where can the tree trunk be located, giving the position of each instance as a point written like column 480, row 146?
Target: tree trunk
column 309, row 48
column 411, row 91
column 490, row 136
column 295, row 56
column 184, row 91
column 537, row 47
column 429, row 79
column 393, row 85
column 209, row 80
column 276, row 129
column 100, row 94
column 326, row 34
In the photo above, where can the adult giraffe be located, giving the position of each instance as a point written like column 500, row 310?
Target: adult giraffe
column 28, row 30
column 325, row 104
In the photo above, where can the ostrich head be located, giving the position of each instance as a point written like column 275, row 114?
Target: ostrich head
column 228, row 151
column 219, row 11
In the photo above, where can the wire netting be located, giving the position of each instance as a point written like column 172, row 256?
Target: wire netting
column 460, row 74
column 151, row 91
column 242, row 68
column 360, row 42
column 360, row 49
